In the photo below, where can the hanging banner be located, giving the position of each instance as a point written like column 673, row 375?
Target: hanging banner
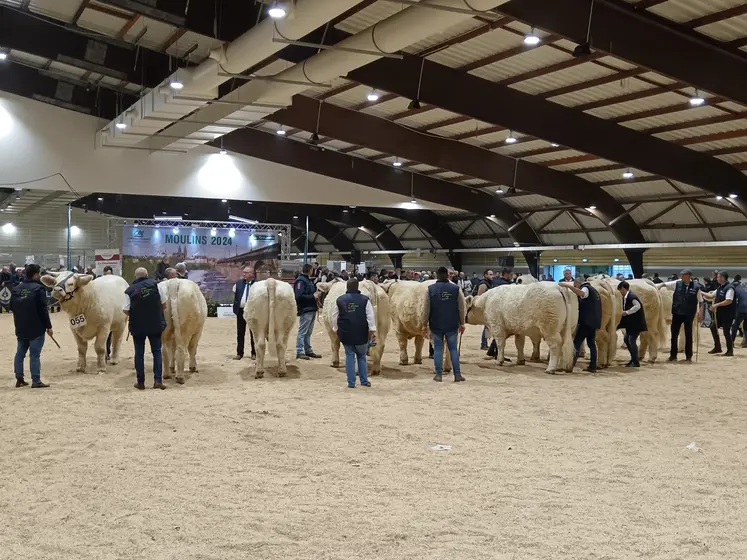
column 107, row 257
column 214, row 258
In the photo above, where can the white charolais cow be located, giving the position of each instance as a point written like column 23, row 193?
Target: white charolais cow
column 95, row 310
column 380, row 304
column 186, row 311
column 606, row 337
column 536, row 310
column 407, row 307
column 270, row 312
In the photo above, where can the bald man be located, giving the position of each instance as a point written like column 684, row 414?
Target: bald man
column 145, row 304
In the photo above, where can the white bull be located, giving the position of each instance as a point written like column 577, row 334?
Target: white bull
column 270, row 312
column 380, row 304
column 95, row 310
column 186, row 311
column 407, row 306
column 542, row 309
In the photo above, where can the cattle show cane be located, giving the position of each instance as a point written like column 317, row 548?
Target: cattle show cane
column 57, row 343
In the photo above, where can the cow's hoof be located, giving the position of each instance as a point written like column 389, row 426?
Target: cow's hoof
column 180, row 380
column 550, row 371
column 193, row 370
column 405, row 362
column 521, row 362
column 172, row 370
column 374, row 373
column 282, row 373
column 167, row 376
column 113, row 362
column 80, row 369
column 335, row 364
column 652, row 361
column 259, row 375
column 419, row 361
column 447, row 370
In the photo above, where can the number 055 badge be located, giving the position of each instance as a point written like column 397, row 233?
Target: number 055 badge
column 78, row 321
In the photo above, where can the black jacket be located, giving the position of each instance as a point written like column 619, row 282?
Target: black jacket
column 240, row 285
column 304, row 289
column 635, row 322
column 685, row 299
column 161, row 271
column 590, row 308
column 726, row 313
column 500, row 281
column 29, row 306
column 146, row 310
column 444, row 307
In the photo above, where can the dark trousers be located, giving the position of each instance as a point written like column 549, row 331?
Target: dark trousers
column 631, row 341
column 677, row 322
column 108, row 346
column 741, row 317
column 155, row 348
column 241, row 334
column 724, row 324
column 589, row 334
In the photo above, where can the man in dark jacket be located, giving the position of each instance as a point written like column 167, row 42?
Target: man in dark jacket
column 479, row 288
column 145, row 303
column 18, row 276
column 685, row 302
column 589, row 319
column 354, row 322
column 633, row 320
column 306, row 306
column 741, row 316
column 29, row 306
column 725, row 312
column 240, row 295
column 161, row 269
column 445, row 309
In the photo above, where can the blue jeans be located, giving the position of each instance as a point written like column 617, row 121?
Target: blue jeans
column 353, row 353
column 34, row 347
column 155, row 348
column 438, row 351
column 305, row 328
column 484, row 339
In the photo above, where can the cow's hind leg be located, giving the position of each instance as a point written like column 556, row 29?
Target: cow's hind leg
column 260, row 345
column 402, row 341
column 554, row 341
column 167, row 355
column 520, row 340
column 536, row 341
column 192, row 349
column 100, row 347
column 179, row 355
column 335, row 350
column 117, row 332
column 419, row 341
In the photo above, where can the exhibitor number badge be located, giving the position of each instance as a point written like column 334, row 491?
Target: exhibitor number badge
column 78, row 321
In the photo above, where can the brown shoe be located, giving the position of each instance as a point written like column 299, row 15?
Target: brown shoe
column 39, row 385
column 238, row 357
column 139, row 386
column 21, row 383
column 159, row 386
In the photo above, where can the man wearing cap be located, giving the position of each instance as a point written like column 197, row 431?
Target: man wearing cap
column 589, row 319
column 685, row 300
column 723, row 305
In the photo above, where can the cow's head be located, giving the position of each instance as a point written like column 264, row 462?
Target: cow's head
column 386, row 285
column 475, row 306
column 65, row 284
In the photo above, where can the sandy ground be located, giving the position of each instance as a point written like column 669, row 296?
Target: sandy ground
column 230, row 467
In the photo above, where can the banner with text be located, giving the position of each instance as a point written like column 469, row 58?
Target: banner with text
column 214, row 257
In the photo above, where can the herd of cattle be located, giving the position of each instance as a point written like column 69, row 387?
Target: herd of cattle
column 530, row 309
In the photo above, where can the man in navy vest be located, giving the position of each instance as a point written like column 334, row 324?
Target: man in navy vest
column 354, row 322
column 685, row 300
column 145, row 303
column 28, row 303
column 445, row 309
column 589, row 319
column 306, row 305
column 725, row 312
column 240, row 295
column 741, row 294
column 633, row 320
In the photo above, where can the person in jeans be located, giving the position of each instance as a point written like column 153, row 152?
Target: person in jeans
column 633, row 320
column 306, row 306
column 589, row 319
column 145, row 304
column 353, row 321
column 445, row 309
column 28, row 303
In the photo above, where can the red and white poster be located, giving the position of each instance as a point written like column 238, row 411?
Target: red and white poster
column 108, row 257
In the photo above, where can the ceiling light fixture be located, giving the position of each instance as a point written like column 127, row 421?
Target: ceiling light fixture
column 344, row 210
column 280, row 131
column 511, row 139
column 231, row 232
column 719, row 197
column 499, row 191
column 101, row 199
column 415, row 103
column 616, row 259
column 697, row 100
column 295, row 217
column 372, row 96
column 555, row 260
column 175, row 230
column 532, row 38
column 733, row 195
column 3, row 55
column 584, row 260
column 628, row 174
column 9, row 228
column 397, row 163
column 213, row 232
column 121, row 125
column 591, row 208
column 554, row 145
column 176, row 84
column 242, row 220
column 224, row 200
column 584, row 49
column 223, row 152
column 413, row 200
column 167, row 218
column 492, row 215
column 74, row 230
column 277, row 11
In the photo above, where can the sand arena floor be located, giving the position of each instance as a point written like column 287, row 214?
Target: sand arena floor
column 229, row 467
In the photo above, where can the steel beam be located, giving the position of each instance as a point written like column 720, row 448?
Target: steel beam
column 383, row 135
column 288, row 152
column 495, row 104
column 641, row 39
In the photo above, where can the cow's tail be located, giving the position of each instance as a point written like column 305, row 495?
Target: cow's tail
column 612, row 328
column 271, row 338
column 566, row 333
column 661, row 339
column 173, row 311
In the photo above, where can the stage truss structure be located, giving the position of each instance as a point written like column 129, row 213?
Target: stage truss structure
column 115, row 225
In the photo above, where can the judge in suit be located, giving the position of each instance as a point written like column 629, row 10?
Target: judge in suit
column 240, row 295
column 633, row 321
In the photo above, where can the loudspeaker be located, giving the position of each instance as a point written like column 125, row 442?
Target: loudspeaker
column 506, row 261
column 355, row 256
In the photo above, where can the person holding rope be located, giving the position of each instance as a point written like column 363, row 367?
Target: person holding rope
column 725, row 312
column 445, row 309
column 29, row 306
